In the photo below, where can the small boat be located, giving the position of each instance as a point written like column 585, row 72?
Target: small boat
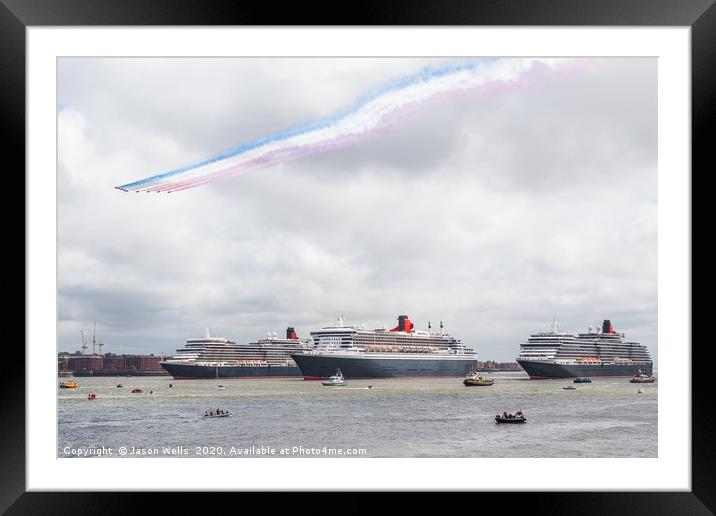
column 119, row 385
column 579, row 379
column 506, row 417
column 171, row 385
column 640, row 391
column 642, row 378
column 223, row 414
column 336, row 379
column 473, row 379
column 569, row 388
column 137, row 391
column 68, row 384
column 92, row 396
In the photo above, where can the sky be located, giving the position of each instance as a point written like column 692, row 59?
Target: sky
column 494, row 210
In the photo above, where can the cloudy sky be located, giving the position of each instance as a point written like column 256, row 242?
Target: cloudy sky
column 494, row 212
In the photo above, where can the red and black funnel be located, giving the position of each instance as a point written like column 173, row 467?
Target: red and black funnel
column 404, row 324
column 607, row 327
column 291, row 333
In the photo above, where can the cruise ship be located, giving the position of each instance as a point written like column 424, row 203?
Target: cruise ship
column 381, row 353
column 216, row 357
column 600, row 352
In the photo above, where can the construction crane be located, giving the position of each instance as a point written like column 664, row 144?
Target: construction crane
column 84, row 341
column 94, row 337
column 100, row 344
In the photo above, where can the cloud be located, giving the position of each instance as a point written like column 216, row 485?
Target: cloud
column 492, row 214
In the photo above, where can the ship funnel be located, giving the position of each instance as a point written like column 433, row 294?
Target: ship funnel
column 206, row 333
column 607, row 327
column 291, row 333
column 404, row 324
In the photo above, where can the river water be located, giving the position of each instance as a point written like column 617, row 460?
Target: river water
column 395, row 418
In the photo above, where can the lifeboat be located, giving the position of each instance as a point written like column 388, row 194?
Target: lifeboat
column 91, row 396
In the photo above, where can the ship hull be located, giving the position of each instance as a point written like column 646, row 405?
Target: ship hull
column 550, row 370
column 319, row 367
column 192, row 371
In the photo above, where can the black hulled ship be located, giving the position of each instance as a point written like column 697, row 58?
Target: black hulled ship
column 600, row 352
column 215, row 357
column 381, row 353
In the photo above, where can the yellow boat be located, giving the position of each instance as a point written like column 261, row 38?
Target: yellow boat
column 68, row 384
column 473, row 379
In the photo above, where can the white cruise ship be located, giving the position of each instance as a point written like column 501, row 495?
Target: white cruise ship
column 600, row 352
column 381, row 353
column 212, row 357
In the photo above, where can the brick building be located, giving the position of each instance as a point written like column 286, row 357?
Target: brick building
column 109, row 364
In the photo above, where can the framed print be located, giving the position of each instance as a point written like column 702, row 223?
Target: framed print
column 376, row 257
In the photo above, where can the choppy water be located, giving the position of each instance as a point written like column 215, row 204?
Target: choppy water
column 396, row 418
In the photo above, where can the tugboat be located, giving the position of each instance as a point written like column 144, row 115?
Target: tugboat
column 642, row 378
column 473, row 379
column 506, row 417
column 336, row 379
column 68, row 384
column 580, row 379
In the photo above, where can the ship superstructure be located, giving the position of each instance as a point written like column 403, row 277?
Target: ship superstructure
column 209, row 357
column 600, row 352
column 381, row 353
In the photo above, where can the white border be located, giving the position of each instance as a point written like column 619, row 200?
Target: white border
column 671, row 470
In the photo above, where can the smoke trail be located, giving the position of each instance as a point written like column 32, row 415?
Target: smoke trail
column 369, row 116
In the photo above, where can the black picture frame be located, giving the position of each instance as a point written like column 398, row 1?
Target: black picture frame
column 700, row 15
